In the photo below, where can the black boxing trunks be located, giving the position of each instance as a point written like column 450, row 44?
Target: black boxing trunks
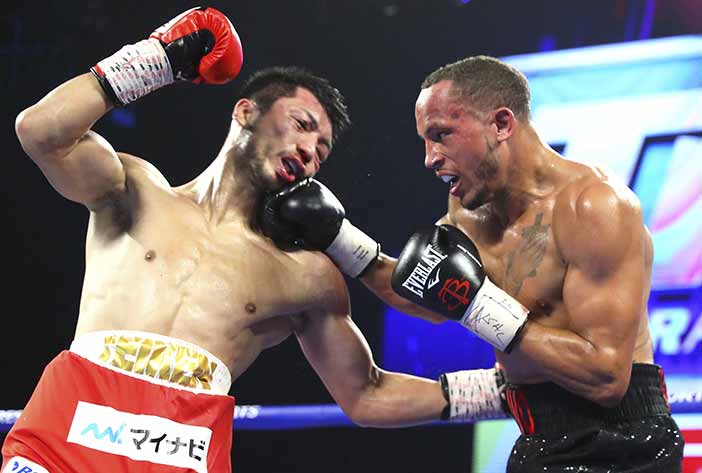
column 123, row 401
column 562, row 432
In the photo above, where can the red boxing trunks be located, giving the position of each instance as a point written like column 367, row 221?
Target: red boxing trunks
column 126, row 402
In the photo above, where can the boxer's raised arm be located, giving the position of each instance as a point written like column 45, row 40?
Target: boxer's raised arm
column 55, row 132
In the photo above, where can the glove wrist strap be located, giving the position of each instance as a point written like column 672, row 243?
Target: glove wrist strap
column 352, row 250
column 473, row 395
column 495, row 316
column 134, row 71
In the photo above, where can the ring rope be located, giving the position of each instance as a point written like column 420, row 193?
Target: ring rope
column 310, row 416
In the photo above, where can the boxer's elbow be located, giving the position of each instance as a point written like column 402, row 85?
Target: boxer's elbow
column 611, row 386
column 360, row 417
column 365, row 408
column 359, row 413
column 610, row 394
column 29, row 126
column 32, row 131
column 36, row 133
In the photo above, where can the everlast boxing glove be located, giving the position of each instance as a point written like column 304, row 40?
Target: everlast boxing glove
column 440, row 269
column 199, row 45
column 307, row 215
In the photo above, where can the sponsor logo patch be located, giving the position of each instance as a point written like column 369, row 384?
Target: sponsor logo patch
column 22, row 465
column 454, row 294
column 417, row 279
column 140, row 437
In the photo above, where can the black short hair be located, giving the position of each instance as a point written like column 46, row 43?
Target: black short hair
column 268, row 85
column 486, row 83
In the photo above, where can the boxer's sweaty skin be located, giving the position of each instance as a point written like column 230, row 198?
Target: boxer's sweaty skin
column 180, row 261
column 186, row 261
column 526, row 260
column 156, row 262
column 564, row 239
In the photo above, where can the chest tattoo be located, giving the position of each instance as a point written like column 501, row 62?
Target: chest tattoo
column 524, row 260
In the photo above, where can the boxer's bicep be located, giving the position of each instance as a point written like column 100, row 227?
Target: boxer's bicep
column 87, row 173
column 605, row 311
column 331, row 341
column 606, row 277
column 339, row 353
column 603, row 294
column 55, row 133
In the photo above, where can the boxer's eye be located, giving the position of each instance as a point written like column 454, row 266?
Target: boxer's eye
column 304, row 125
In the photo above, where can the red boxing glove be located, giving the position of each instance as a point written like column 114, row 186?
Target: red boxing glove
column 194, row 32
column 199, row 45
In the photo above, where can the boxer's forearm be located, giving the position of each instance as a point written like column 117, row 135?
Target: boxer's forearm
column 596, row 373
column 377, row 280
column 398, row 400
column 55, row 124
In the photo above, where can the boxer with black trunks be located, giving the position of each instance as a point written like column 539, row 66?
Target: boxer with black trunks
column 544, row 258
column 172, row 308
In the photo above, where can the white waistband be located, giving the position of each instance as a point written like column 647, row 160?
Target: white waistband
column 155, row 358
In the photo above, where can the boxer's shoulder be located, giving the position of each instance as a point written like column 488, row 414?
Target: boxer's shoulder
column 320, row 279
column 596, row 200
column 141, row 171
column 596, row 215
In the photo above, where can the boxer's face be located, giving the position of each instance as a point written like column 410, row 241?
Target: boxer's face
column 290, row 141
column 457, row 145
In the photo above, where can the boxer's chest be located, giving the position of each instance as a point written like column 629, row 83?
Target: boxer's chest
column 176, row 261
column 525, row 262
column 238, row 275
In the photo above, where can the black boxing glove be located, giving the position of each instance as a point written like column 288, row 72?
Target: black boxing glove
column 199, row 45
column 307, row 215
column 440, row 269
column 474, row 395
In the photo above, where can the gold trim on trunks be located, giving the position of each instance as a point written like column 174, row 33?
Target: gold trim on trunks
column 157, row 359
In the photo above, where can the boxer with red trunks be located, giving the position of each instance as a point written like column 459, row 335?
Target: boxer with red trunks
column 182, row 291
column 126, row 399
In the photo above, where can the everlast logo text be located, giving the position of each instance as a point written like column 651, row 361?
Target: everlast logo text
column 418, row 278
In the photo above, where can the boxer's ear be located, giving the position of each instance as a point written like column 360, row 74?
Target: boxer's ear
column 245, row 112
column 503, row 122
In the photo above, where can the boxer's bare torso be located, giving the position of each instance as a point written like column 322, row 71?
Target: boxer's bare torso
column 156, row 262
column 529, row 259
column 187, row 261
column 184, row 261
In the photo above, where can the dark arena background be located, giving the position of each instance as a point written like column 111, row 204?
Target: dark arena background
column 618, row 83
